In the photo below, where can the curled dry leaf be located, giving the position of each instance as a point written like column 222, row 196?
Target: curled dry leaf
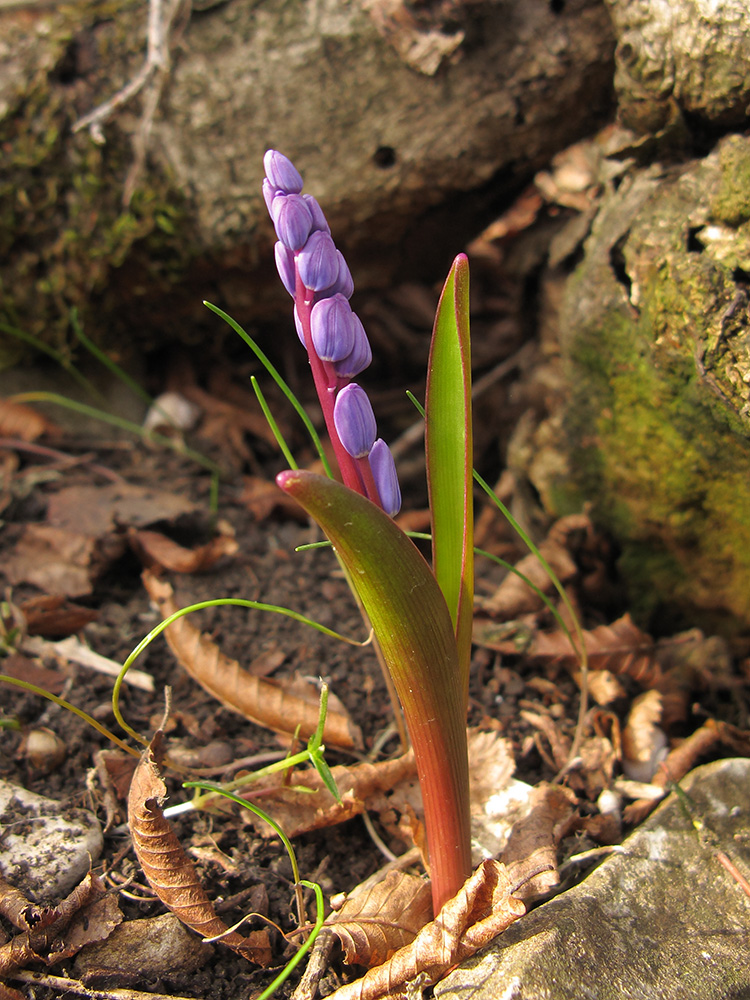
column 644, row 743
column 532, row 845
column 686, row 755
column 491, row 765
column 361, row 786
column 169, row 871
column 54, row 617
column 59, row 561
column 514, row 597
column 621, row 648
column 154, row 547
column 374, row 924
column 54, row 933
column 20, row 421
column 264, row 701
column 479, row 912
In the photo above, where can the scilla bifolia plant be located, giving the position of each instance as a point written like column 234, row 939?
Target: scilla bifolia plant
column 420, row 616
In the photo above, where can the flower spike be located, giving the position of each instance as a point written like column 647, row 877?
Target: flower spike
column 314, row 272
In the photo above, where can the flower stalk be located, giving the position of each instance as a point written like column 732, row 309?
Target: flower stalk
column 420, row 617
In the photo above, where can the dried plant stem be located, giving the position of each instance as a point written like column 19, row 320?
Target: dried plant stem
column 150, row 79
column 61, row 985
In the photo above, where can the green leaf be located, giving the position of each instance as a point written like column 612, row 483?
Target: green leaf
column 449, row 447
column 412, row 624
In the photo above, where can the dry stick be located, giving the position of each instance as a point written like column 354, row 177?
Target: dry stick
column 151, row 77
column 62, row 985
column 16, row 444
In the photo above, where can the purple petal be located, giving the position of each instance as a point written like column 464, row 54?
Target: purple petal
column 319, row 220
column 269, row 193
column 354, row 420
column 285, row 267
column 359, row 357
column 343, row 283
column 332, row 327
column 384, row 473
column 282, row 173
column 293, row 220
column 318, row 262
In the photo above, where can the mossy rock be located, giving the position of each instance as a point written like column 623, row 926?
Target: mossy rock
column 64, row 231
column 656, row 337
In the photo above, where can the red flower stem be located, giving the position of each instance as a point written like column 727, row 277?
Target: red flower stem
column 443, row 771
column 368, row 481
column 326, row 393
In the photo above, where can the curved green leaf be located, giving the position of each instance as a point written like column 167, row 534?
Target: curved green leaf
column 410, row 619
column 449, row 447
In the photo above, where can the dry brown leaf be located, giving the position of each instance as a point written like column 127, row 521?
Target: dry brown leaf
column 153, row 547
column 479, row 912
column 54, row 617
column 533, row 841
column 264, row 701
column 102, row 509
column 644, row 742
column 20, row 666
column 222, row 414
column 57, row 932
column 491, row 765
column 621, row 648
column 513, row 597
column 16, row 908
column 8, row 993
column 169, row 871
column 604, row 686
column 57, row 561
column 685, row 756
column 361, row 786
column 374, row 924
column 20, row 421
column 262, row 497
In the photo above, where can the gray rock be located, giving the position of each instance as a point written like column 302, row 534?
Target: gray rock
column 663, row 920
column 45, row 848
column 689, row 55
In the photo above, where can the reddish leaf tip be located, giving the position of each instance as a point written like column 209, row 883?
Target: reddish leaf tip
column 285, row 480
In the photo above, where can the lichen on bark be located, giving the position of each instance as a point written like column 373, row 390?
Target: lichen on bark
column 655, row 332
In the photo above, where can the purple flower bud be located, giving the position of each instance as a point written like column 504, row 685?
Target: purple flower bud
column 318, row 262
column 359, row 357
column 285, row 267
column 384, row 473
column 319, row 220
column 343, row 282
column 269, row 193
column 354, row 420
column 282, row 173
column 332, row 326
column 293, row 220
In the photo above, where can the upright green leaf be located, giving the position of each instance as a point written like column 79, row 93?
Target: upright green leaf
column 449, row 447
column 411, row 621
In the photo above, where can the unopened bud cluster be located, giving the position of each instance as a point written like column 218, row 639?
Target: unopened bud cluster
column 316, row 275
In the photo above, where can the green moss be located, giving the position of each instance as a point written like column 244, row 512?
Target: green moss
column 63, row 229
column 669, row 479
column 731, row 203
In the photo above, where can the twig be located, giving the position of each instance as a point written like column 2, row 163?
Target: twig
column 60, row 456
column 77, row 652
column 151, row 79
column 62, row 985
